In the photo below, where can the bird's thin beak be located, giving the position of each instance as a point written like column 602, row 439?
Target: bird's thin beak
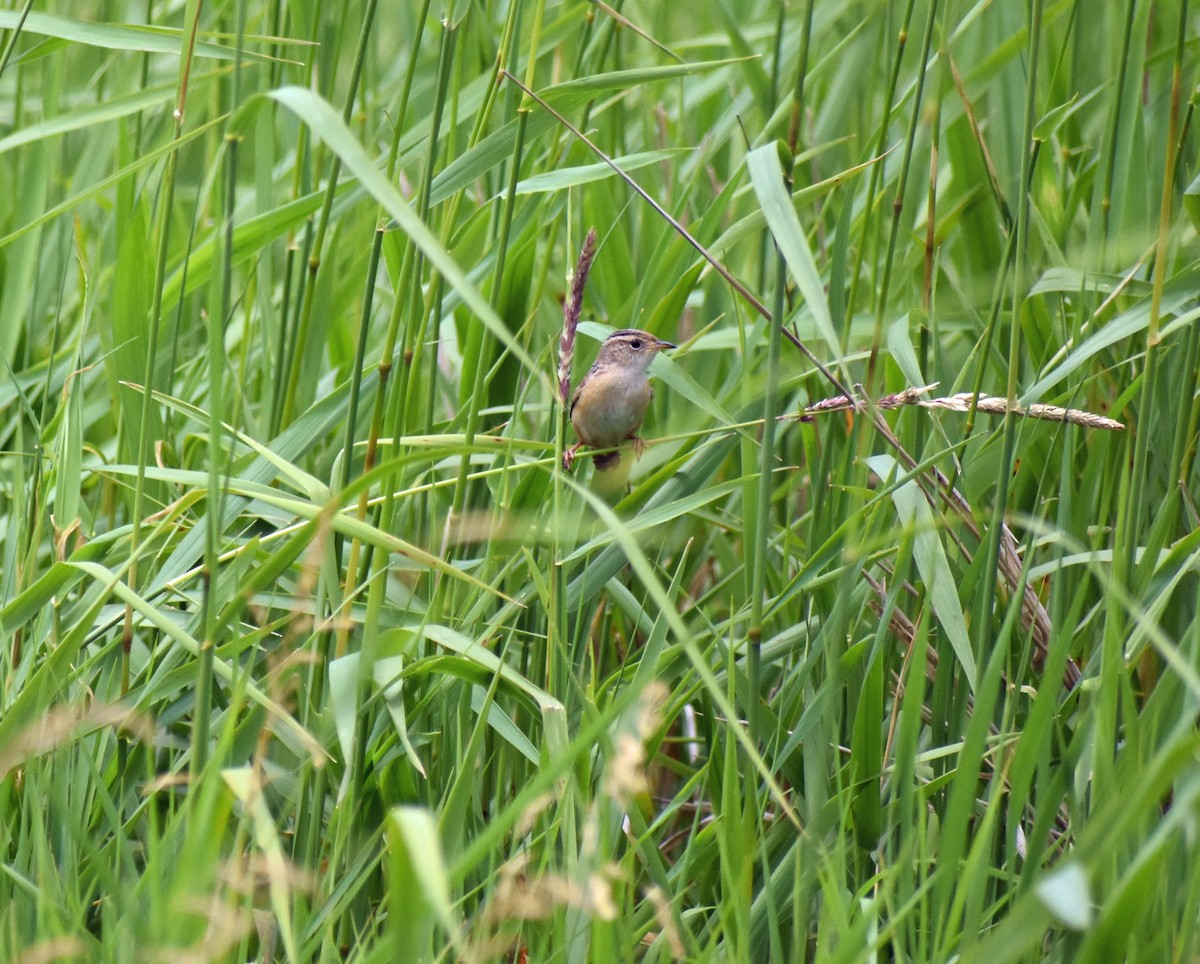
column 662, row 345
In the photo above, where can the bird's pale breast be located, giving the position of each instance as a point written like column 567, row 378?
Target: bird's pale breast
column 611, row 407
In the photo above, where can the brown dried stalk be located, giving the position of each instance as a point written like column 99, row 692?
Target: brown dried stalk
column 903, row 629
column 572, row 307
column 995, row 405
column 1034, row 617
column 840, row 403
column 962, row 402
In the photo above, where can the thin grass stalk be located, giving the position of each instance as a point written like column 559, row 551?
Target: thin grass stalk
column 312, row 784
column 935, row 141
column 983, row 612
column 276, row 17
column 352, row 558
column 889, row 101
column 1134, row 513
column 985, row 156
column 148, row 18
column 777, row 55
column 216, row 432
column 420, row 309
column 558, row 646
column 910, row 139
column 314, row 781
column 180, row 327
column 30, row 540
column 384, row 367
column 796, row 123
column 1110, row 157
column 928, row 324
column 477, row 384
column 1184, row 448
column 295, row 253
column 535, row 37
column 480, row 341
column 1037, row 731
column 1166, row 208
column 26, row 530
column 318, row 245
column 391, row 405
column 387, row 355
column 192, row 19
column 770, row 400
column 313, row 810
column 758, row 503
column 356, row 374
column 964, row 783
column 989, row 331
column 949, row 894
column 11, row 43
column 376, row 560
column 601, row 48
column 284, row 343
column 425, row 315
column 965, row 904
column 369, row 294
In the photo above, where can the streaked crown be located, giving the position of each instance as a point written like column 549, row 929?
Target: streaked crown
column 631, row 346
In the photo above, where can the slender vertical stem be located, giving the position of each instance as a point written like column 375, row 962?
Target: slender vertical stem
column 154, row 322
column 987, row 594
column 216, row 450
column 1132, row 517
column 889, row 101
column 897, row 204
column 314, row 260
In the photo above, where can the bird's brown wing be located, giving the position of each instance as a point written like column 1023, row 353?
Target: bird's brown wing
column 578, row 389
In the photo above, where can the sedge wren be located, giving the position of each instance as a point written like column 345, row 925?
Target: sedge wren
column 610, row 401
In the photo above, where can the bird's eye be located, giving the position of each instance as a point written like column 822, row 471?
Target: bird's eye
column 636, row 344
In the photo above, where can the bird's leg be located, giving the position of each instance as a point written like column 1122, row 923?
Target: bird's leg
column 569, row 456
column 639, row 446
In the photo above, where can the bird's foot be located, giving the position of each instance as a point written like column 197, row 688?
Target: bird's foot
column 639, row 446
column 569, row 456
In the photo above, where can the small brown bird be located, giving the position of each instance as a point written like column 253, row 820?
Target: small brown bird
column 610, row 401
